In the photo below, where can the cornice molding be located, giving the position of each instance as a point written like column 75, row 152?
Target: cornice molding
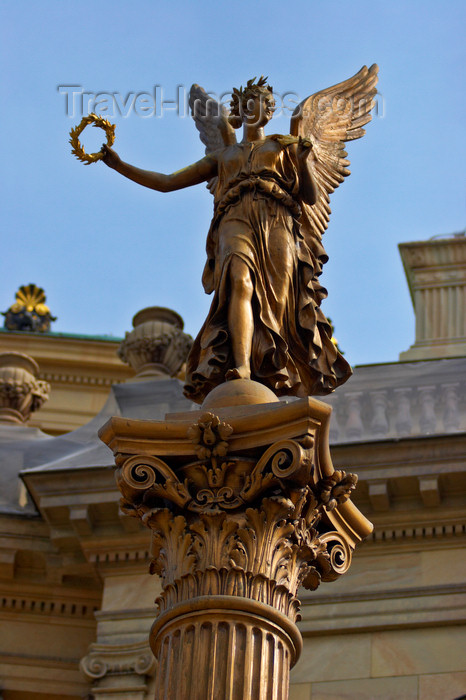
column 36, row 605
column 410, row 611
column 86, row 380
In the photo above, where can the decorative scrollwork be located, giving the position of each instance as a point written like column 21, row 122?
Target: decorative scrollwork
column 115, row 659
column 149, row 479
column 339, row 553
column 212, row 499
column 289, row 461
column 144, row 664
column 285, row 460
column 253, row 521
column 137, row 475
column 94, row 667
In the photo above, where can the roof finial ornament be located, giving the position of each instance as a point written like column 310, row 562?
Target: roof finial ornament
column 157, row 345
column 29, row 312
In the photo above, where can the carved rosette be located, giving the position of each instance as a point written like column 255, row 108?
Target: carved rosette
column 243, row 508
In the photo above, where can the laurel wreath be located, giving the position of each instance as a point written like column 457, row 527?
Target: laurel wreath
column 77, row 150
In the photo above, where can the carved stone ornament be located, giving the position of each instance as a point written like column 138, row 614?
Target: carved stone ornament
column 21, row 392
column 244, row 507
column 157, row 344
column 134, row 662
column 29, row 312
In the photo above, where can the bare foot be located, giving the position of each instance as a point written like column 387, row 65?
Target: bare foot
column 238, row 373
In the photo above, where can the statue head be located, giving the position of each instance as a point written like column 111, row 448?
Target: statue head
column 254, row 104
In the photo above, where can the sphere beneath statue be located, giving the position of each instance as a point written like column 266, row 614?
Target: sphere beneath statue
column 239, row 392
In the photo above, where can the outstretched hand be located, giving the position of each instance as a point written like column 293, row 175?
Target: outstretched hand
column 110, row 157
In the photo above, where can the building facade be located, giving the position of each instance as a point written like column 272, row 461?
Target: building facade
column 77, row 599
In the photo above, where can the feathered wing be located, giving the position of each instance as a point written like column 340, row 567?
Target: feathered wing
column 328, row 119
column 211, row 119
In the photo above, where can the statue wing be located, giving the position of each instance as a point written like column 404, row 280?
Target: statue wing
column 211, row 119
column 328, row 119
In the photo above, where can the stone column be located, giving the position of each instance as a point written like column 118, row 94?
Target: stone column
column 244, row 507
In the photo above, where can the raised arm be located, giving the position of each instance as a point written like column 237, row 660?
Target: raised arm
column 193, row 174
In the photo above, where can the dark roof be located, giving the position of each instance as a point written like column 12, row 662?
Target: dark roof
column 25, row 449
column 380, row 402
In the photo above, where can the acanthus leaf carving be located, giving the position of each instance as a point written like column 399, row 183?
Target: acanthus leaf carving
column 171, row 545
column 213, row 540
column 263, row 545
column 308, row 554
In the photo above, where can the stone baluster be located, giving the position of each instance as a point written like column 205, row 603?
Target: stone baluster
column 451, row 414
column 427, row 418
column 354, row 425
column 403, row 417
column 379, row 422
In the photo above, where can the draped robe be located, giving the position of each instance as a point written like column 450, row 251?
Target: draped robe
column 259, row 216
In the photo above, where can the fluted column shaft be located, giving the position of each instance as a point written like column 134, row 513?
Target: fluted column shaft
column 214, row 648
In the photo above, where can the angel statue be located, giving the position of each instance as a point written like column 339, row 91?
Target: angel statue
column 264, row 246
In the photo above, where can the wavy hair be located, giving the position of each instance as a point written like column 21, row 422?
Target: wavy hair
column 240, row 98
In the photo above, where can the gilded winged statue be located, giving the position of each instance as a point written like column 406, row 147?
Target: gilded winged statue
column 264, row 246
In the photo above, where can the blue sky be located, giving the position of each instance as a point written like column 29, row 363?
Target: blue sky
column 103, row 248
